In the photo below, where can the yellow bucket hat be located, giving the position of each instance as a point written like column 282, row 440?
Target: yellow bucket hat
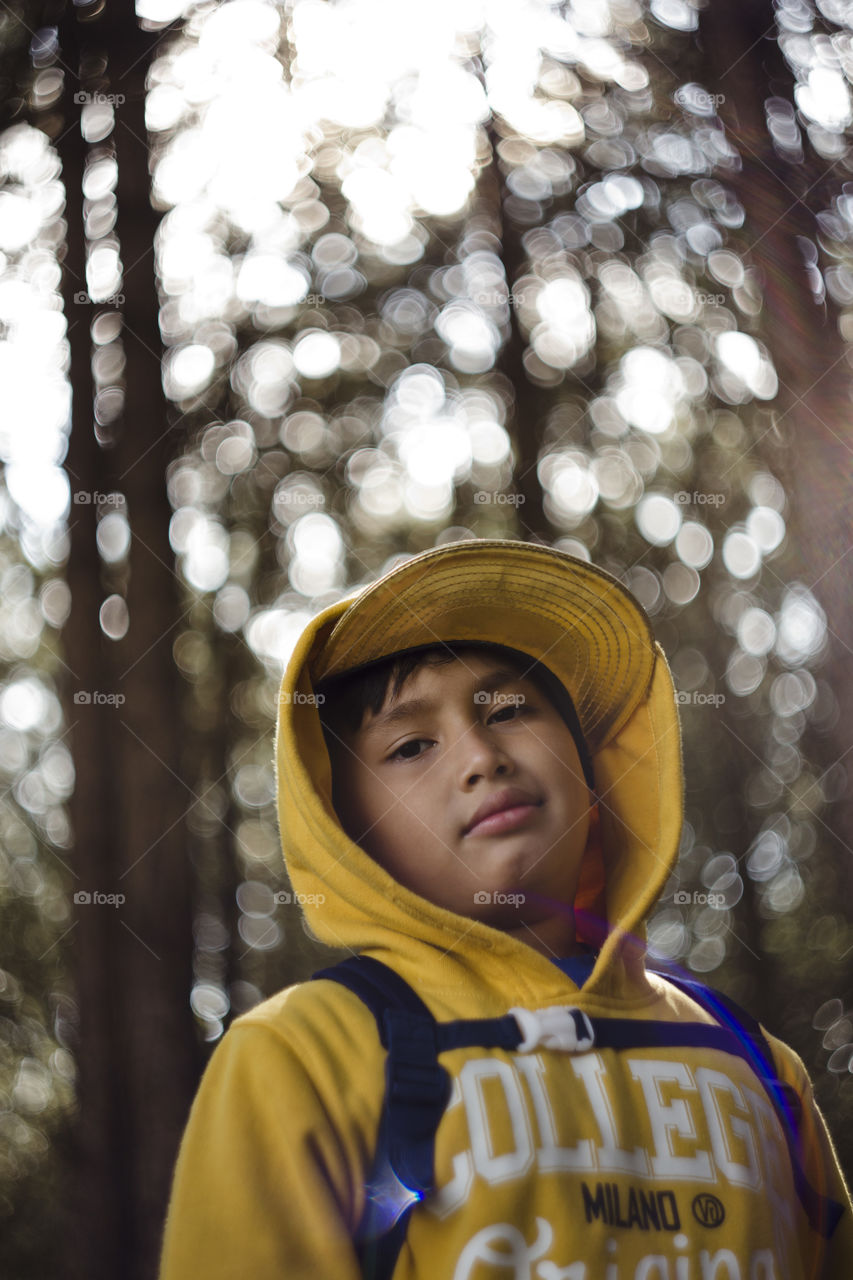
column 573, row 617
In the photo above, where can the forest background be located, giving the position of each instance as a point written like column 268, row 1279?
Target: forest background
column 291, row 290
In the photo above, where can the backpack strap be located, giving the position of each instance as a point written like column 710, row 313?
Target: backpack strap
column 822, row 1212
column 377, row 986
column 417, row 1090
column 748, row 1030
column 417, row 1087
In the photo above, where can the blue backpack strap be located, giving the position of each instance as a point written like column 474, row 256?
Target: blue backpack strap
column 377, row 986
column 417, row 1090
column 417, row 1087
column 822, row 1212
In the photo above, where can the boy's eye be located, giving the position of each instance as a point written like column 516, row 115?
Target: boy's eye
column 505, row 713
column 409, row 750
column 509, row 711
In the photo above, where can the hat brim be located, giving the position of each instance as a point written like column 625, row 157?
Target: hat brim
column 573, row 617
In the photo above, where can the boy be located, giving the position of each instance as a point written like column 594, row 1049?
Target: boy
column 490, row 808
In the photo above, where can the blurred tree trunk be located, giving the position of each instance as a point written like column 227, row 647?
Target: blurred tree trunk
column 95, row 1153
column 137, row 1056
column 746, row 67
column 527, row 419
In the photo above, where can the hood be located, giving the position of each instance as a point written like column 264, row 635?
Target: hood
column 351, row 902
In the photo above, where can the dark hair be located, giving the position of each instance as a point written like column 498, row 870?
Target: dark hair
column 347, row 698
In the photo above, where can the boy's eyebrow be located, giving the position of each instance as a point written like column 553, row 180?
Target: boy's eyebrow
column 400, row 711
column 415, row 706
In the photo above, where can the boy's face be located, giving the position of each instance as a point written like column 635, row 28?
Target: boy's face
column 467, row 786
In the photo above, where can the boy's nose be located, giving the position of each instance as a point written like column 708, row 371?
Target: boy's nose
column 481, row 755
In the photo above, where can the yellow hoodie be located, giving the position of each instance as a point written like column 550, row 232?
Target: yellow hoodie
column 640, row 1164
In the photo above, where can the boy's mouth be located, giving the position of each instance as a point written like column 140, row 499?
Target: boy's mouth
column 502, row 812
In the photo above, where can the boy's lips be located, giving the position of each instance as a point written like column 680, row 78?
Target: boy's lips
column 502, row 810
